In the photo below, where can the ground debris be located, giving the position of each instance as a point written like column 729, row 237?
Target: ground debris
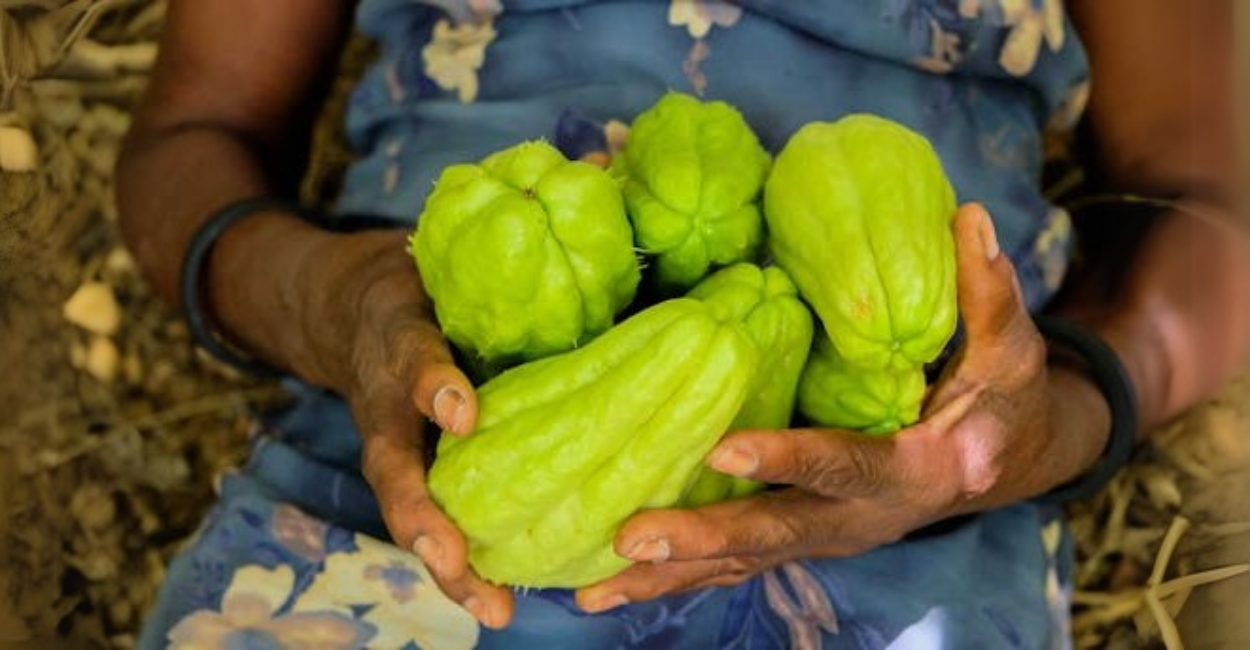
column 111, row 426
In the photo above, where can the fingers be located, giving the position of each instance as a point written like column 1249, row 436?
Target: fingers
column 827, row 462
column 420, row 357
column 781, row 521
column 393, row 464
column 647, row 581
column 838, row 464
column 990, row 301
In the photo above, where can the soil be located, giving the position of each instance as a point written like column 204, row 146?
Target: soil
column 112, row 430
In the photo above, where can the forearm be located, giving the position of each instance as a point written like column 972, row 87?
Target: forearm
column 1184, row 325
column 1180, row 319
column 1163, row 123
column 169, row 182
column 224, row 120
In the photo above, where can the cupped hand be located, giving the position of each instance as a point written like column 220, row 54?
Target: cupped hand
column 380, row 346
column 998, row 427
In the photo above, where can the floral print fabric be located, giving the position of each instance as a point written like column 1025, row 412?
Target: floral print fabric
column 294, row 554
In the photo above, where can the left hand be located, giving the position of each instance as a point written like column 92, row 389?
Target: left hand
column 991, row 434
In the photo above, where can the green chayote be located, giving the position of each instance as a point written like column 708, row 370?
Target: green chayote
column 766, row 302
column 568, row 447
column 859, row 214
column 691, row 174
column 525, row 254
column 833, row 394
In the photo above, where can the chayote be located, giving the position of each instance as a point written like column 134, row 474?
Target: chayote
column 568, row 447
column 859, row 215
column 831, row 393
column 692, row 173
column 525, row 254
column 766, row 302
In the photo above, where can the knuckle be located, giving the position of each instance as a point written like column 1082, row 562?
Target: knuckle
column 713, row 540
column 821, row 474
column 788, row 528
column 405, row 347
column 980, row 473
column 866, row 467
column 734, row 570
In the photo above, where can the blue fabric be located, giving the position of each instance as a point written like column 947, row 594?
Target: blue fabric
column 989, row 581
column 457, row 79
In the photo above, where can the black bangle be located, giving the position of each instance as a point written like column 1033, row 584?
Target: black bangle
column 1112, row 379
column 203, row 329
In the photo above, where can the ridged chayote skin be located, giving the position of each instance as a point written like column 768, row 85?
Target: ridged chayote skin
column 879, row 402
column 525, row 254
column 859, row 215
column 567, row 447
column 766, row 302
column 691, row 174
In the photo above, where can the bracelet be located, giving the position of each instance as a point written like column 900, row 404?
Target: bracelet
column 204, row 331
column 1112, row 379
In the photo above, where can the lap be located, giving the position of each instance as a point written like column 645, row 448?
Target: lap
column 264, row 573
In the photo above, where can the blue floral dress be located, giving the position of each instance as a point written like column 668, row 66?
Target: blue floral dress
column 294, row 554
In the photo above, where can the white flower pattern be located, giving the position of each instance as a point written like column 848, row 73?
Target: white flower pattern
column 455, row 54
column 248, row 618
column 404, row 603
column 945, row 52
column 698, row 16
column 1050, row 249
column 1029, row 26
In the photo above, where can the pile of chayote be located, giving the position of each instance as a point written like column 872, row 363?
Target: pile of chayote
column 819, row 284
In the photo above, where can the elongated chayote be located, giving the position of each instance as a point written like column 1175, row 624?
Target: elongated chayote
column 859, row 215
column 568, row 447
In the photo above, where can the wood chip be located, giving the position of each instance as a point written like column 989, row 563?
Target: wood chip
column 18, row 152
column 93, row 308
column 103, row 360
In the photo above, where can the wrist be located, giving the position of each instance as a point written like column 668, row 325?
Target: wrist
column 346, row 282
column 1082, row 359
column 1080, row 421
column 252, row 275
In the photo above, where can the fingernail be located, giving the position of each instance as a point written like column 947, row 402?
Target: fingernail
column 734, row 461
column 449, row 409
column 479, row 610
column 652, row 549
column 430, row 551
column 607, row 602
column 989, row 238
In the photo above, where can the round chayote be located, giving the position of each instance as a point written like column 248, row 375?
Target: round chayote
column 834, row 394
column 859, row 215
column 691, row 173
column 525, row 254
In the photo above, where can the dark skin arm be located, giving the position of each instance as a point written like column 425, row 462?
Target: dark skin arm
column 227, row 118
column 1181, row 315
column 216, row 128
column 1002, row 425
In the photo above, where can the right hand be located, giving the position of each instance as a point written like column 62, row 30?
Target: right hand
column 371, row 334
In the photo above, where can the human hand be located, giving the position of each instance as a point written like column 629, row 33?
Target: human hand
column 998, row 427
column 377, row 342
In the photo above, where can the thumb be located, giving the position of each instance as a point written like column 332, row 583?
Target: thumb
column 422, row 360
column 990, row 301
